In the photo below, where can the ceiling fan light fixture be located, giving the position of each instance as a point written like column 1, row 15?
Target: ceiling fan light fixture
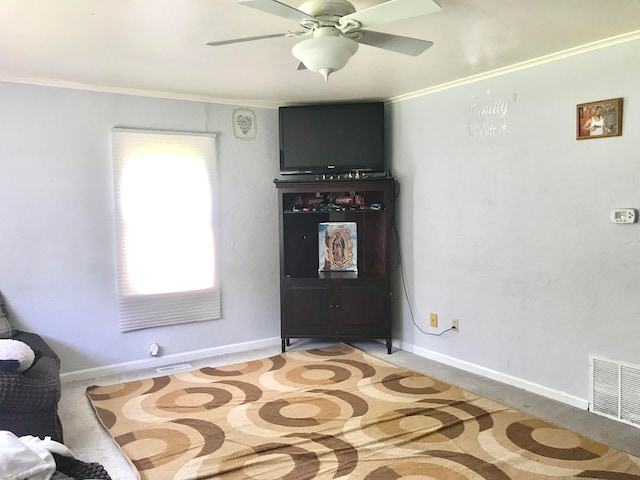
column 325, row 54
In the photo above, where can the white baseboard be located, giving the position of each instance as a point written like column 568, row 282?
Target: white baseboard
column 532, row 387
column 156, row 362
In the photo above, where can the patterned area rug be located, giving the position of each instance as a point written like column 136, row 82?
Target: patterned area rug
column 336, row 413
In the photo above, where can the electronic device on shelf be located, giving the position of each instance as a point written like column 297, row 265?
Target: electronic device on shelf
column 332, row 140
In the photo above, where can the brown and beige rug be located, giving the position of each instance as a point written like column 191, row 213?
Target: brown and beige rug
column 336, row 413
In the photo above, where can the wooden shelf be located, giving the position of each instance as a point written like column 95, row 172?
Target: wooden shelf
column 336, row 304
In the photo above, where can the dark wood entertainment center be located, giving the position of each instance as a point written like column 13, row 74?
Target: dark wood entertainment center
column 335, row 304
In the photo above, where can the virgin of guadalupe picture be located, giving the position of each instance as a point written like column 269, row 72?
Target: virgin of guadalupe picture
column 338, row 247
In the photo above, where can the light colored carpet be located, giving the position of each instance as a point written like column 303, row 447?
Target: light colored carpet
column 336, row 412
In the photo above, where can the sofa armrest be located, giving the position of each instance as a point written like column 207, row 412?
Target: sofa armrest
column 36, row 390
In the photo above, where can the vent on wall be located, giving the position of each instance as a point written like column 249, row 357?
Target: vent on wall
column 615, row 389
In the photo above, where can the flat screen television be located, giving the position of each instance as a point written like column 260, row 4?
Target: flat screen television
column 333, row 138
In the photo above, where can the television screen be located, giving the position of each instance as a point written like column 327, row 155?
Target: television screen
column 332, row 138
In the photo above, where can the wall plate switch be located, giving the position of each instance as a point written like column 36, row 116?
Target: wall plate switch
column 624, row 215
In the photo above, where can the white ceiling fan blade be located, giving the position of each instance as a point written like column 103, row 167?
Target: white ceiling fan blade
column 392, row 11
column 395, row 43
column 260, row 37
column 247, row 39
column 280, row 9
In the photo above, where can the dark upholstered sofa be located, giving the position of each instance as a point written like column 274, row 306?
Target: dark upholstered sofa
column 29, row 397
column 29, row 400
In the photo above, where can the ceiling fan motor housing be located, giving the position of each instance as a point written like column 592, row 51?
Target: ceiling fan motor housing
column 327, row 10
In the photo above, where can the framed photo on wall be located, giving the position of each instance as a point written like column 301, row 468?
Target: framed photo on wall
column 599, row 119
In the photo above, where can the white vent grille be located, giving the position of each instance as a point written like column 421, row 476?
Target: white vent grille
column 174, row 368
column 615, row 389
column 630, row 394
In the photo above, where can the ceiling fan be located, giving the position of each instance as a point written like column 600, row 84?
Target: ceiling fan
column 337, row 29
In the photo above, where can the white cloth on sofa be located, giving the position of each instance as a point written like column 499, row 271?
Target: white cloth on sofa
column 11, row 349
column 28, row 457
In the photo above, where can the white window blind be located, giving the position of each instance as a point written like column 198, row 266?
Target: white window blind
column 165, row 227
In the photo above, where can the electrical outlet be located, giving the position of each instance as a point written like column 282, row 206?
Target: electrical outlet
column 433, row 319
column 454, row 324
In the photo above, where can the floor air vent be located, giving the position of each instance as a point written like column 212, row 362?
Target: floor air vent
column 174, row 368
column 615, row 389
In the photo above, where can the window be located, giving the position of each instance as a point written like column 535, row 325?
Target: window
column 165, row 211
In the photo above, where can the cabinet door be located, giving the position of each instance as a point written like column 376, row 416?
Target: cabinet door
column 364, row 309
column 300, row 244
column 307, row 309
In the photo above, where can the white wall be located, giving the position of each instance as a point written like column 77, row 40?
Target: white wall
column 511, row 233
column 57, row 254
